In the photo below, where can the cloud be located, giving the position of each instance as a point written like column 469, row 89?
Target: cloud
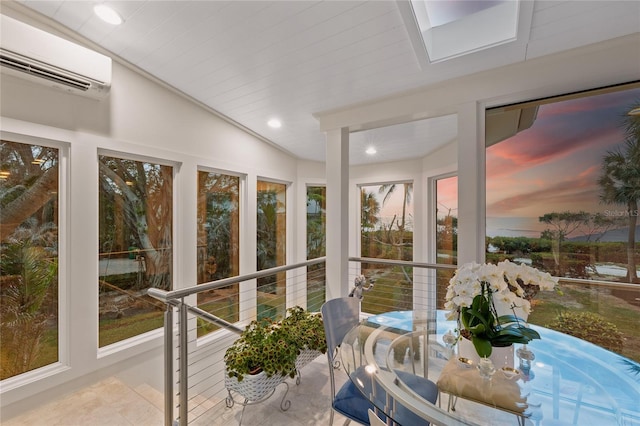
column 554, row 165
column 579, row 192
column 572, row 129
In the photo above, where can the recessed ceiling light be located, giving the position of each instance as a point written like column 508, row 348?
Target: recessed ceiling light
column 371, row 150
column 107, row 14
column 274, row 123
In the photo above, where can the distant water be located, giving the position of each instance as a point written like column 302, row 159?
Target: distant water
column 531, row 227
column 614, row 235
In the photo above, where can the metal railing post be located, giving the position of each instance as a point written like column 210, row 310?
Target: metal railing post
column 168, row 366
column 184, row 388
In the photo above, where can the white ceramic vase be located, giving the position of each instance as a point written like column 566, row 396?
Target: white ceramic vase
column 500, row 356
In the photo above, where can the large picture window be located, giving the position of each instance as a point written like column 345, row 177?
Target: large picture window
column 386, row 232
column 218, row 244
column 29, row 261
column 316, row 245
column 136, row 245
column 271, row 247
column 447, row 220
column 446, row 232
column 562, row 195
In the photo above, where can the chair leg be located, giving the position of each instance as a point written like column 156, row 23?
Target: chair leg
column 331, row 418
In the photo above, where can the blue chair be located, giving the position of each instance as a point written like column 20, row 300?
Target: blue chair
column 427, row 389
column 339, row 316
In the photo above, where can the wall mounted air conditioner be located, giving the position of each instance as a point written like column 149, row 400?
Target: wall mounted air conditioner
column 39, row 56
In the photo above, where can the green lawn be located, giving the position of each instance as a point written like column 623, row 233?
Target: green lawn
column 624, row 315
column 115, row 330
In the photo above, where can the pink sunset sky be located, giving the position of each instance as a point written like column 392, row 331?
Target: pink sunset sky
column 551, row 167
column 554, row 165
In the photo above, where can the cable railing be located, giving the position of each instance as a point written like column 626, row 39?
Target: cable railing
column 602, row 312
column 198, row 334
column 199, row 330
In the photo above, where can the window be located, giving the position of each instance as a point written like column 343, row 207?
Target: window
column 316, row 245
column 386, row 232
column 447, row 220
column 562, row 195
column 218, row 244
column 29, row 231
column 271, row 247
column 446, row 232
column 136, row 245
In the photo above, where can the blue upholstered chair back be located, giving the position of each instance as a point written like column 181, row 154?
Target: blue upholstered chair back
column 339, row 316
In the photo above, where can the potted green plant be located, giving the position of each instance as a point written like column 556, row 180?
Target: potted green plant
column 273, row 350
column 491, row 303
column 486, row 330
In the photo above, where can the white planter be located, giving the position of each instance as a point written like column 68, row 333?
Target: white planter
column 500, row 356
column 253, row 387
column 305, row 357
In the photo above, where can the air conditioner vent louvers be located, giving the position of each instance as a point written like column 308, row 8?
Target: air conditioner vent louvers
column 40, row 57
column 32, row 69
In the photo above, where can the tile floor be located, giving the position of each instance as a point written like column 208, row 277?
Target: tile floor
column 113, row 403
column 309, row 403
column 106, row 403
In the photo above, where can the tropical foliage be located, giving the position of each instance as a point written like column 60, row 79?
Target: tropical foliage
column 28, row 257
column 136, row 210
column 28, row 300
column 316, row 245
column 135, row 223
column 271, row 247
column 620, row 183
column 218, row 226
column 273, row 346
column 387, row 237
column 218, row 244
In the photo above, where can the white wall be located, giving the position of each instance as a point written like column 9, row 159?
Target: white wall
column 142, row 118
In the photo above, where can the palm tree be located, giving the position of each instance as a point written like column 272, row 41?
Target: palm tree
column 620, row 183
column 369, row 211
column 29, row 267
column 388, row 190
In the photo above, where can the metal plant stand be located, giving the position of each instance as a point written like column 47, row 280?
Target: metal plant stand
column 258, row 388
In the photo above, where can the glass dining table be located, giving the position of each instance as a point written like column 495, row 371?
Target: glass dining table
column 557, row 380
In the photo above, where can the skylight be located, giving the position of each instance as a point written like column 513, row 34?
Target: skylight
column 458, row 27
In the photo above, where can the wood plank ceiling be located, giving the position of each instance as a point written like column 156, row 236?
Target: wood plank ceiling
column 254, row 60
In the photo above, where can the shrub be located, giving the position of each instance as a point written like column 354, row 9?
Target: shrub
column 273, row 347
column 590, row 327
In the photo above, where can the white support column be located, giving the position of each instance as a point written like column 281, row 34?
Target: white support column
column 471, row 183
column 337, row 166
